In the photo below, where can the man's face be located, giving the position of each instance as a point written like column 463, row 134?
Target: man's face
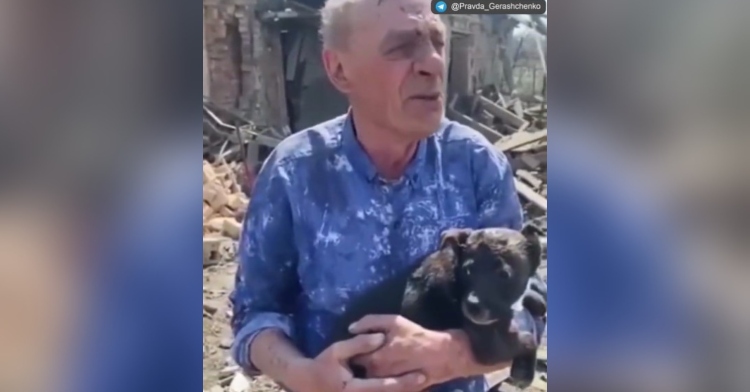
column 394, row 65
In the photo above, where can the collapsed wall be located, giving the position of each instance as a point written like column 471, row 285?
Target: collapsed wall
column 242, row 61
column 247, row 68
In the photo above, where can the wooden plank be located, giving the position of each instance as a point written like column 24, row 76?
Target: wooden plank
column 542, row 55
column 492, row 135
column 206, row 75
column 520, row 139
column 275, row 81
column 527, row 176
column 538, row 145
column 530, row 195
column 506, row 115
column 500, row 98
column 518, row 108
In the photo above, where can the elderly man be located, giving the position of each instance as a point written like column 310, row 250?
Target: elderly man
column 344, row 205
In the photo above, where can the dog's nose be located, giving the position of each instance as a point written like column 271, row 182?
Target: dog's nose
column 472, row 308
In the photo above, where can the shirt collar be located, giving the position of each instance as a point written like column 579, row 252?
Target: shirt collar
column 362, row 163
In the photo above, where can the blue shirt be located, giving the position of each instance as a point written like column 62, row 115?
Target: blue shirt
column 322, row 226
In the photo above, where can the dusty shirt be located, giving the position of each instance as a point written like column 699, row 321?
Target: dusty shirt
column 322, row 226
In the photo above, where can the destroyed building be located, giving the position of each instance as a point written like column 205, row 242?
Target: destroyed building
column 263, row 79
column 261, row 59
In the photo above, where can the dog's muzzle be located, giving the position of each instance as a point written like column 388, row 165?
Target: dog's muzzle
column 473, row 310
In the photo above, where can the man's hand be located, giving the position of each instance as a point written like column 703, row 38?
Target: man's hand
column 409, row 348
column 330, row 372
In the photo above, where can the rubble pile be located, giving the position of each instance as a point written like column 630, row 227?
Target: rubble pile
column 519, row 129
column 222, row 138
column 228, row 135
column 224, row 208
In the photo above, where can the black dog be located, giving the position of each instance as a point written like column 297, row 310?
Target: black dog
column 474, row 282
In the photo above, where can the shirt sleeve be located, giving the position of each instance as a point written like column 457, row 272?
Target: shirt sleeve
column 266, row 284
column 497, row 200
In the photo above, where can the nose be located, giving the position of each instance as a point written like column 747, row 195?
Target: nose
column 473, row 307
column 472, row 299
column 432, row 63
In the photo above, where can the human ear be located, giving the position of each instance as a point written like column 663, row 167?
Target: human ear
column 334, row 66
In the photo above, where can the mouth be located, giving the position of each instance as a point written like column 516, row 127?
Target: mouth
column 434, row 97
column 477, row 315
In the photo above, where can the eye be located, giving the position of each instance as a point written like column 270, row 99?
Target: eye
column 398, row 48
column 406, row 47
column 504, row 272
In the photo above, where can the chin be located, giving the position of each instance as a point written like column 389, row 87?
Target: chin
column 424, row 124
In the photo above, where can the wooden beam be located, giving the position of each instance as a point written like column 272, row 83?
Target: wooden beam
column 530, row 195
column 527, row 176
column 504, row 114
column 492, row 135
column 520, row 139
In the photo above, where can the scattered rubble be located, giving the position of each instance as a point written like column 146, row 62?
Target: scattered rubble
column 518, row 129
column 230, row 136
column 224, row 208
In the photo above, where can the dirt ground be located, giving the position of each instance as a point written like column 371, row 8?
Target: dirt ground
column 218, row 369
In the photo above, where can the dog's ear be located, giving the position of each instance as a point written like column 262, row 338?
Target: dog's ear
column 533, row 246
column 454, row 238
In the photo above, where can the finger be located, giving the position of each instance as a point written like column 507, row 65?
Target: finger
column 361, row 344
column 369, row 359
column 373, row 322
column 361, row 359
column 404, row 383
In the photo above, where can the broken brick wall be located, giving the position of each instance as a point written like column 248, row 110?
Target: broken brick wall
column 244, row 66
column 243, row 62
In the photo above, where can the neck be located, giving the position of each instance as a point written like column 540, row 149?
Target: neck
column 389, row 153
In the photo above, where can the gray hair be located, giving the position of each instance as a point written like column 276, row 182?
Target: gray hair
column 336, row 23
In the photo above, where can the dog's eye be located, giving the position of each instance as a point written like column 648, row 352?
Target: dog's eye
column 503, row 272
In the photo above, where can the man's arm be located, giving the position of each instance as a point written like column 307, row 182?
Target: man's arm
column 266, row 285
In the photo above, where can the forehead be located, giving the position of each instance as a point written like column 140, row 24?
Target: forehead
column 496, row 236
column 383, row 19
column 500, row 241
